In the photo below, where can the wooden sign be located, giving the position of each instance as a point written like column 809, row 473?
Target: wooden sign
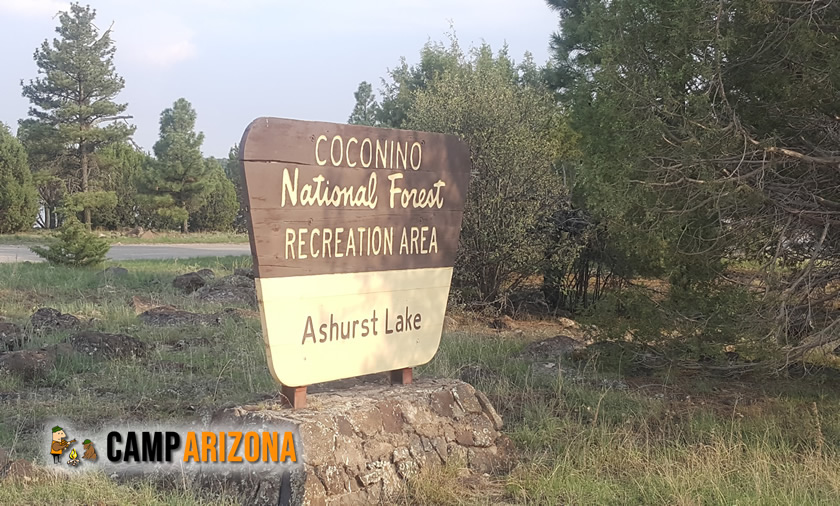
column 354, row 232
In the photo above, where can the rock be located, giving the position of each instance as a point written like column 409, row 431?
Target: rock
column 236, row 280
column 207, row 274
column 550, row 349
column 100, row 345
column 189, row 282
column 32, row 364
column 148, row 234
column 53, row 320
column 12, row 337
column 168, row 316
column 135, row 232
column 361, row 444
column 248, row 273
column 222, row 294
column 116, row 272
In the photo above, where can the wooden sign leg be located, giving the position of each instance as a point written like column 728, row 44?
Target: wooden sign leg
column 296, row 396
column 401, row 376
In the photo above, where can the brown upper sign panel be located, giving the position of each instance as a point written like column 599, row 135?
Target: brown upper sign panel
column 328, row 198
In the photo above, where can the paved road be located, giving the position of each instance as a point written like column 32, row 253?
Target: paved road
column 139, row 251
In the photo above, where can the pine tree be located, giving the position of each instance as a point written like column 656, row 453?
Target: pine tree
column 366, row 109
column 177, row 182
column 221, row 206
column 75, row 247
column 18, row 197
column 74, row 95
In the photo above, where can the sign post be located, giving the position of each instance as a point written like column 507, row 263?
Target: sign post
column 354, row 232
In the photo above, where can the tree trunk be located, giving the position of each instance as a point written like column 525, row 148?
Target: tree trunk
column 85, row 182
column 185, row 228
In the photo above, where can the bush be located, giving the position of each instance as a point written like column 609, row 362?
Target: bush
column 75, row 247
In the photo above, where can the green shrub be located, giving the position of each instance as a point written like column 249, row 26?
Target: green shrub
column 75, row 247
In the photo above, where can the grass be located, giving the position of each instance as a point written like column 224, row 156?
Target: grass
column 598, row 432
column 164, row 237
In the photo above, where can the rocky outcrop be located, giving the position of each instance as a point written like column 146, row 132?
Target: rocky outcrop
column 361, row 444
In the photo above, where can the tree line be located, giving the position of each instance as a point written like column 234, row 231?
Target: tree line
column 74, row 159
column 673, row 173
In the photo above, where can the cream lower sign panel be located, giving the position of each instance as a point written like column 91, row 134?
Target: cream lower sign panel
column 322, row 327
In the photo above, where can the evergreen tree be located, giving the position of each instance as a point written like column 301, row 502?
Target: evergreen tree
column 74, row 96
column 515, row 189
column 75, row 247
column 18, row 197
column 710, row 134
column 221, row 206
column 122, row 165
column 366, row 109
column 177, row 182
column 234, row 172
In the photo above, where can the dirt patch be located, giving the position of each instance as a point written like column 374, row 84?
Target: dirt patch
column 550, row 349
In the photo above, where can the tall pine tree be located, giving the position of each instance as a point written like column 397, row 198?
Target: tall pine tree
column 178, row 181
column 73, row 97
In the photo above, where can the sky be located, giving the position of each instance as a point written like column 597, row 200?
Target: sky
column 237, row 60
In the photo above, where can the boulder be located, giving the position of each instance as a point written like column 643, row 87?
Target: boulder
column 48, row 319
column 101, row 345
column 361, row 445
column 189, row 282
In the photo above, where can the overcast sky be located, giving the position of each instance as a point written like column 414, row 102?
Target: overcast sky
column 236, row 60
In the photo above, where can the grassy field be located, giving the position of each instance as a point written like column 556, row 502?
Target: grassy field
column 588, row 435
column 41, row 237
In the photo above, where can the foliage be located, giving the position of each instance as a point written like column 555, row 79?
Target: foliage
column 18, row 196
column 515, row 187
column 73, row 96
column 177, row 183
column 366, row 109
column 221, row 206
column 121, row 165
column 74, row 246
column 233, row 171
column 709, row 133
column 49, row 162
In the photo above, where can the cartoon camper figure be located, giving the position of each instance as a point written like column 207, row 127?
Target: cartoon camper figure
column 90, row 451
column 58, row 443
